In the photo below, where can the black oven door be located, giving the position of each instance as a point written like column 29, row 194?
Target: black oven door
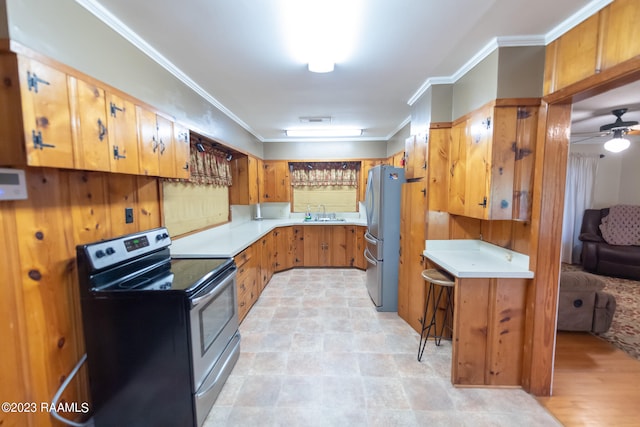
column 214, row 322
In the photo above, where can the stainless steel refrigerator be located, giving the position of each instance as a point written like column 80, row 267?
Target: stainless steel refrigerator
column 382, row 203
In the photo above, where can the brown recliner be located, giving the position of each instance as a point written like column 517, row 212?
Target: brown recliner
column 602, row 258
column 583, row 305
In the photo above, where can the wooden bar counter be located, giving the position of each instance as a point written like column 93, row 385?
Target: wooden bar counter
column 489, row 309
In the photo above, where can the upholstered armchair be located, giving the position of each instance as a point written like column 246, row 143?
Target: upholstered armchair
column 600, row 257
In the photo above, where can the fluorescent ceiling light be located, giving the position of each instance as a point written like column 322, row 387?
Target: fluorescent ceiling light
column 323, row 133
column 320, row 32
column 321, row 66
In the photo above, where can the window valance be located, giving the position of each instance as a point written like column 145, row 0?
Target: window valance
column 324, row 173
column 210, row 167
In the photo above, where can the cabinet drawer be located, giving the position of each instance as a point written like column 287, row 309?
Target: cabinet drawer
column 243, row 257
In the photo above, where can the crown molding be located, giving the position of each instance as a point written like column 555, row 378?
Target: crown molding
column 123, row 30
column 591, row 8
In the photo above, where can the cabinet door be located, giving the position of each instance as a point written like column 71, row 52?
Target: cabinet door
column 148, row 142
column 316, row 246
column 457, row 169
column 276, row 181
column 620, row 25
column 91, row 136
column 577, row 53
column 365, row 165
column 253, row 179
column 182, row 152
column 283, row 256
column 438, row 173
column 266, row 264
column 411, row 294
column 360, row 262
column 298, row 247
column 479, row 137
column 343, row 245
column 123, row 135
column 416, row 157
column 166, row 148
column 409, row 148
column 46, row 115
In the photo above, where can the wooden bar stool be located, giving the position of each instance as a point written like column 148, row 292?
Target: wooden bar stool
column 442, row 279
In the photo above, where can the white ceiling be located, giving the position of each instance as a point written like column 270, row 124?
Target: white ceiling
column 233, row 52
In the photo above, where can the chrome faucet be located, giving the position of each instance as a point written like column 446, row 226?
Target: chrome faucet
column 324, row 211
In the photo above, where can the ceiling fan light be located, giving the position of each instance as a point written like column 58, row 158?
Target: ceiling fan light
column 617, row 145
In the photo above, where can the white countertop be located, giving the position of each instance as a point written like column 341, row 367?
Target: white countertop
column 475, row 258
column 230, row 239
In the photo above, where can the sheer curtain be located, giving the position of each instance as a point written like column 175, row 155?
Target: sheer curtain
column 581, row 178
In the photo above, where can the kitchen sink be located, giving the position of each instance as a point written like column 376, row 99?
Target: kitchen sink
column 325, row 219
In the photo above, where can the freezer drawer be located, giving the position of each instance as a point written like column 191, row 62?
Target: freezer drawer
column 374, row 278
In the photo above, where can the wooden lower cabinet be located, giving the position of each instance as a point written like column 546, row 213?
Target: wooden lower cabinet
column 489, row 331
column 247, row 280
column 267, row 260
column 283, row 255
column 333, row 246
column 295, row 246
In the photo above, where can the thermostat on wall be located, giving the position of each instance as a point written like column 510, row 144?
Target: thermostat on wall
column 12, row 184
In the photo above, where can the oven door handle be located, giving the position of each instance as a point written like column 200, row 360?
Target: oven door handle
column 214, row 292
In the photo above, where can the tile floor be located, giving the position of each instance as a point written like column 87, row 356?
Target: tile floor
column 314, row 352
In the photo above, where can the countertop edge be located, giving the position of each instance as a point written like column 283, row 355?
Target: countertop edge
column 503, row 270
column 182, row 247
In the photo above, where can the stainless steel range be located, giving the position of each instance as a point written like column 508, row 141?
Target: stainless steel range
column 161, row 334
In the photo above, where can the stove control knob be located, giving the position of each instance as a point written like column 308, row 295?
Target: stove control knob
column 161, row 236
column 110, row 251
column 100, row 253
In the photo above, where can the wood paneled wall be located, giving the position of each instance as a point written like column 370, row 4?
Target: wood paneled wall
column 39, row 298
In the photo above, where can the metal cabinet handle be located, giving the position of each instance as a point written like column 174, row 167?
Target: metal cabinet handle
column 102, row 130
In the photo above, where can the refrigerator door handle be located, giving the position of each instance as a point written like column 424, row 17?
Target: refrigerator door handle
column 369, row 259
column 369, row 238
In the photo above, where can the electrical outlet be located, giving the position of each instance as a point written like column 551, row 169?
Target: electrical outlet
column 128, row 215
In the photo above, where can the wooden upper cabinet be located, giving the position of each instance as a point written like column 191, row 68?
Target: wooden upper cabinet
column 620, row 32
column 166, row 148
column 245, row 178
column 478, row 144
column 438, row 173
column 46, row 115
column 123, row 134
column 276, row 183
column 147, row 142
column 576, row 56
column 91, row 136
column 491, row 163
column 182, row 151
column 155, row 143
column 457, row 169
column 607, row 38
column 415, row 157
column 365, row 165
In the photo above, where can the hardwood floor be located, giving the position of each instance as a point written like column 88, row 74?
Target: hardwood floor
column 594, row 383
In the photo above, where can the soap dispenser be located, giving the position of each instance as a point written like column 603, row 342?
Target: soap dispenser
column 307, row 215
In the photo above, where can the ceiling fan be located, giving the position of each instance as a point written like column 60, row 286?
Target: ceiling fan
column 619, row 128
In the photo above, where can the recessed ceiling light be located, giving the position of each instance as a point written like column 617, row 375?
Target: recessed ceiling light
column 323, row 133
